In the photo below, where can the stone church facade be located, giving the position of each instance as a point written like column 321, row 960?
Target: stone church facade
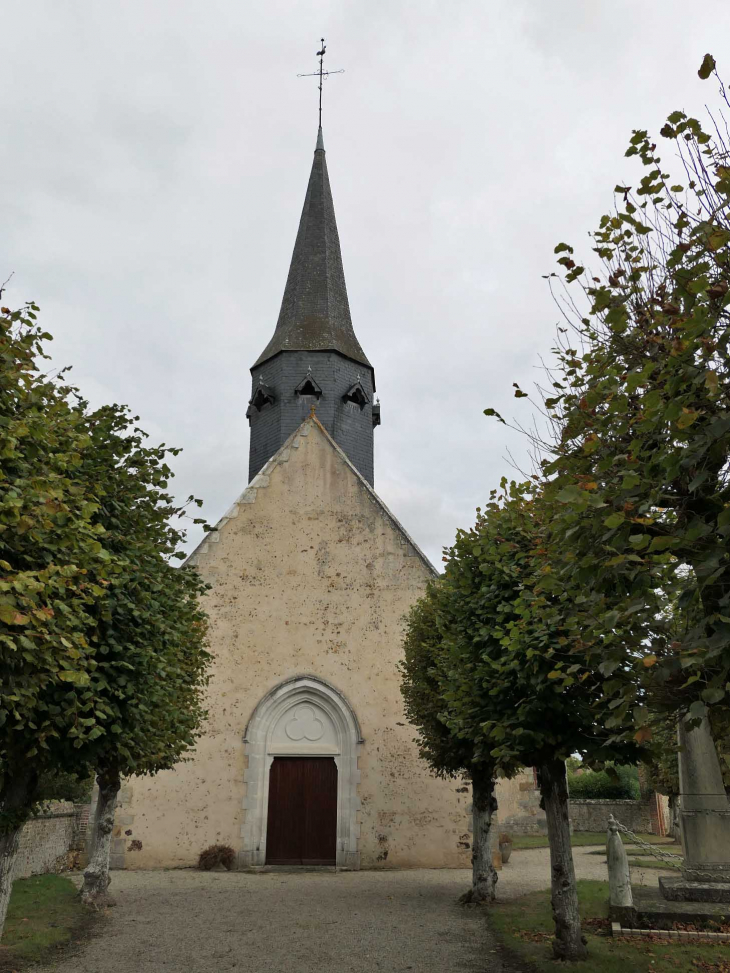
column 306, row 757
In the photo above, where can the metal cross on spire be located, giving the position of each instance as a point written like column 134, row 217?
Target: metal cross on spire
column 321, row 74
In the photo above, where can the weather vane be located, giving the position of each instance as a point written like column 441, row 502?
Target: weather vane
column 321, row 74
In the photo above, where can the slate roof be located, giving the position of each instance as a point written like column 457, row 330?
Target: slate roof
column 315, row 313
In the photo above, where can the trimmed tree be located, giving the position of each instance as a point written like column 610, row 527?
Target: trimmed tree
column 639, row 400
column 511, row 687
column 150, row 635
column 67, row 693
column 447, row 755
column 52, row 576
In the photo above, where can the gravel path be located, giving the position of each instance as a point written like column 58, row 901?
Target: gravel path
column 352, row 922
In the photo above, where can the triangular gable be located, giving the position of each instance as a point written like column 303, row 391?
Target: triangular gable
column 261, row 481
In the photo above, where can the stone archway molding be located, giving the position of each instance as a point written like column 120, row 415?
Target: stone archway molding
column 271, row 732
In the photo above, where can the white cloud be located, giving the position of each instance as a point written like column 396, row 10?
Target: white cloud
column 155, row 157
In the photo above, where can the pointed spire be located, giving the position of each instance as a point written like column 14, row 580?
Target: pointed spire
column 315, row 313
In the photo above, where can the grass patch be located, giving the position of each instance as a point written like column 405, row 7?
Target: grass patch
column 525, row 927
column 639, row 859
column 581, row 838
column 43, row 914
column 637, row 851
column 639, row 863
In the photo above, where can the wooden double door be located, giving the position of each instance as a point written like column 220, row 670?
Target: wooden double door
column 302, row 816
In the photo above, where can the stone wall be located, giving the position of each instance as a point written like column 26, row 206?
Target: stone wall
column 638, row 816
column 520, row 811
column 52, row 841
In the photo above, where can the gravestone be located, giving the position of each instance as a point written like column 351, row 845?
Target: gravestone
column 705, row 822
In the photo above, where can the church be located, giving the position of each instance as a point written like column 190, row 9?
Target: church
column 306, row 758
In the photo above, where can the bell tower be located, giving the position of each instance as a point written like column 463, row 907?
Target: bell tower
column 314, row 357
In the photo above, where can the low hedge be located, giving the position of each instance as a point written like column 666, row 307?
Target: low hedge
column 591, row 785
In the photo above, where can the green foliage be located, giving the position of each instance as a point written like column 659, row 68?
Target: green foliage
column 58, row 785
column 622, row 785
column 102, row 639
column 151, row 629
column 582, row 607
column 424, row 670
column 511, row 687
column 639, row 407
column 707, row 67
column 422, row 673
column 49, row 553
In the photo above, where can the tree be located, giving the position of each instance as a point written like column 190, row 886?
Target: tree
column 446, row 754
column 639, row 396
column 160, row 710
column 97, row 630
column 506, row 688
column 51, row 574
column 150, row 632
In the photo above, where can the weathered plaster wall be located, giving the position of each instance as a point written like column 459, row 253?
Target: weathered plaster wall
column 309, row 576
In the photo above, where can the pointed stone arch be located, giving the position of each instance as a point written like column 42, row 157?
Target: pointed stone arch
column 277, row 727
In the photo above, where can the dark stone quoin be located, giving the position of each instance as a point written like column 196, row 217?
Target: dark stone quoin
column 314, row 358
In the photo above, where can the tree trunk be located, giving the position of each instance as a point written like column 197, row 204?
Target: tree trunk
column 96, row 876
column 568, row 944
column 15, row 802
column 484, row 874
column 8, row 850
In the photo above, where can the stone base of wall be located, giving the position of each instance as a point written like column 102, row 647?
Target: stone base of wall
column 53, row 841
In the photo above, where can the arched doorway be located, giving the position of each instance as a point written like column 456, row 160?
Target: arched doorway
column 301, row 782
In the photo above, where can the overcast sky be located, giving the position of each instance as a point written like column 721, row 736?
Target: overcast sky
column 155, row 156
